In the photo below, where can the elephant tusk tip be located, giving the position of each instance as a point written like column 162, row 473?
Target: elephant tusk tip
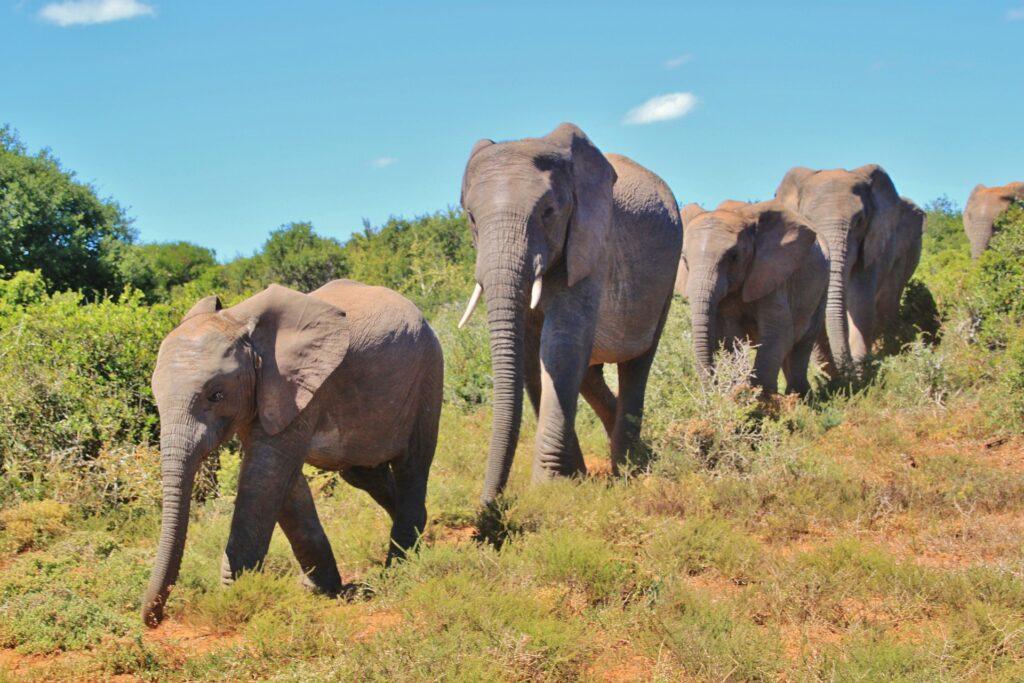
column 535, row 293
column 474, row 299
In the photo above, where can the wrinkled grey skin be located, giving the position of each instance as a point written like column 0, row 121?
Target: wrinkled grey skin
column 899, row 263
column 760, row 272
column 983, row 208
column 347, row 378
column 603, row 235
column 857, row 212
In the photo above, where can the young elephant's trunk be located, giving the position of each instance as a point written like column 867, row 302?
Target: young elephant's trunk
column 179, row 459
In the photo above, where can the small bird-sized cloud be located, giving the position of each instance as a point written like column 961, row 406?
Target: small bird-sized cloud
column 85, row 12
column 1016, row 14
column 677, row 62
column 661, row 108
column 383, row 162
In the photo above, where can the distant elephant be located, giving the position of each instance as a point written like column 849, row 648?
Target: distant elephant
column 347, row 378
column 756, row 271
column 857, row 212
column 576, row 256
column 983, row 207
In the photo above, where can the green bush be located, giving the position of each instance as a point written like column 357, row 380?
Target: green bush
column 997, row 285
column 76, row 382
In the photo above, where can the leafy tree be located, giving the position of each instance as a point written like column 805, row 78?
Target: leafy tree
column 156, row 268
column 429, row 258
column 51, row 222
column 295, row 256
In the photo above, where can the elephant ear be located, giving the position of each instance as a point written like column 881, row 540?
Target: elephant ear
column 300, row 341
column 788, row 191
column 593, row 178
column 1015, row 191
column 479, row 145
column 206, row 305
column 782, row 239
column 689, row 212
column 885, row 213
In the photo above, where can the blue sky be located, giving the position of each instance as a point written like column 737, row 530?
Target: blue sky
column 217, row 121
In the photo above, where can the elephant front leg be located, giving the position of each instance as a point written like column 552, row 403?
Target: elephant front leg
column 301, row 525
column 565, row 346
column 265, row 480
column 775, row 338
column 860, row 306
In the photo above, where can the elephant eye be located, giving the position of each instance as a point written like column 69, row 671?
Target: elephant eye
column 217, row 397
column 549, row 212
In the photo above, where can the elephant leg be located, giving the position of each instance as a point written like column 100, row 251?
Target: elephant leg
column 626, row 447
column 565, row 346
column 378, row 481
column 531, row 366
column 775, row 337
column 302, row 527
column 796, row 365
column 265, row 480
column 860, row 305
column 410, row 473
column 595, row 390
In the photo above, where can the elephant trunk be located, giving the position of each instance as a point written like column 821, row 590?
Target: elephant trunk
column 836, row 326
column 704, row 296
column 506, row 279
column 979, row 234
column 178, row 464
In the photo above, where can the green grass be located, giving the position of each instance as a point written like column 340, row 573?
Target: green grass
column 869, row 533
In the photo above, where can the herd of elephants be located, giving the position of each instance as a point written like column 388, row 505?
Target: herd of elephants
column 577, row 255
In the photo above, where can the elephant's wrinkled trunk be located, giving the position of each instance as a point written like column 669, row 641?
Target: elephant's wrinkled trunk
column 180, row 455
column 506, row 279
column 837, row 236
column 979, row 234
column 704, row 295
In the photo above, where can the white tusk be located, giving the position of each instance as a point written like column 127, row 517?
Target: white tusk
column 535, row 294
column 474, row 299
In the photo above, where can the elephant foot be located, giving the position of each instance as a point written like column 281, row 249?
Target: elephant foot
column 226, row 577
column 329, row 586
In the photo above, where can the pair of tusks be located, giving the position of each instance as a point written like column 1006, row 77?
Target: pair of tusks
column 474, row 299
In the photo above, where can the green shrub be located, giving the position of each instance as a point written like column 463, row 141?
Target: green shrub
column 31, row 524
column 997, row 287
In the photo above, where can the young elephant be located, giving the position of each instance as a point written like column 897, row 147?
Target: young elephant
column 576, row 256
column 347, row 378
column 757, row 271
column 983, row 207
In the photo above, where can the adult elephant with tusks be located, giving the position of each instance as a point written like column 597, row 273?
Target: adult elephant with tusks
column 576, row 258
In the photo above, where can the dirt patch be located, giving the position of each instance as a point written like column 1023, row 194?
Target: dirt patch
column 598, row 466
column 14, row 662
column 185, row 640
column 446, row 535
column 375, row 622
column 618, row 663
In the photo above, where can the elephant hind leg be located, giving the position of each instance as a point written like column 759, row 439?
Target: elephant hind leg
column 596, row 392
column 627, row 450
column 411, row 472
column 378, row 481
column 302, row 527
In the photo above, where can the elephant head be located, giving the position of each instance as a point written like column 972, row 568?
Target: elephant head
column 745, row 250
column 856, row 212
column 220, row 372
column 539, row 210
column 983, row 207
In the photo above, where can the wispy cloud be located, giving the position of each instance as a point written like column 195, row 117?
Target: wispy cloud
column 677, row 62
column 383, row 162
column 84, row 12
column 1016, row 14
column 662, row 108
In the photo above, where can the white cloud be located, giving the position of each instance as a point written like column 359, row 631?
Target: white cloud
column 381, row 162
column 76, row 12
column 662, row 108
column 677, row 62
column 1015, row 14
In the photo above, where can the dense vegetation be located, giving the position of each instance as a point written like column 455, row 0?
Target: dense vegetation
column 869, row 533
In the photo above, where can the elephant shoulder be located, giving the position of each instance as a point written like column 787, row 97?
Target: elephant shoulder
column 375, row 314
column 639, row 190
